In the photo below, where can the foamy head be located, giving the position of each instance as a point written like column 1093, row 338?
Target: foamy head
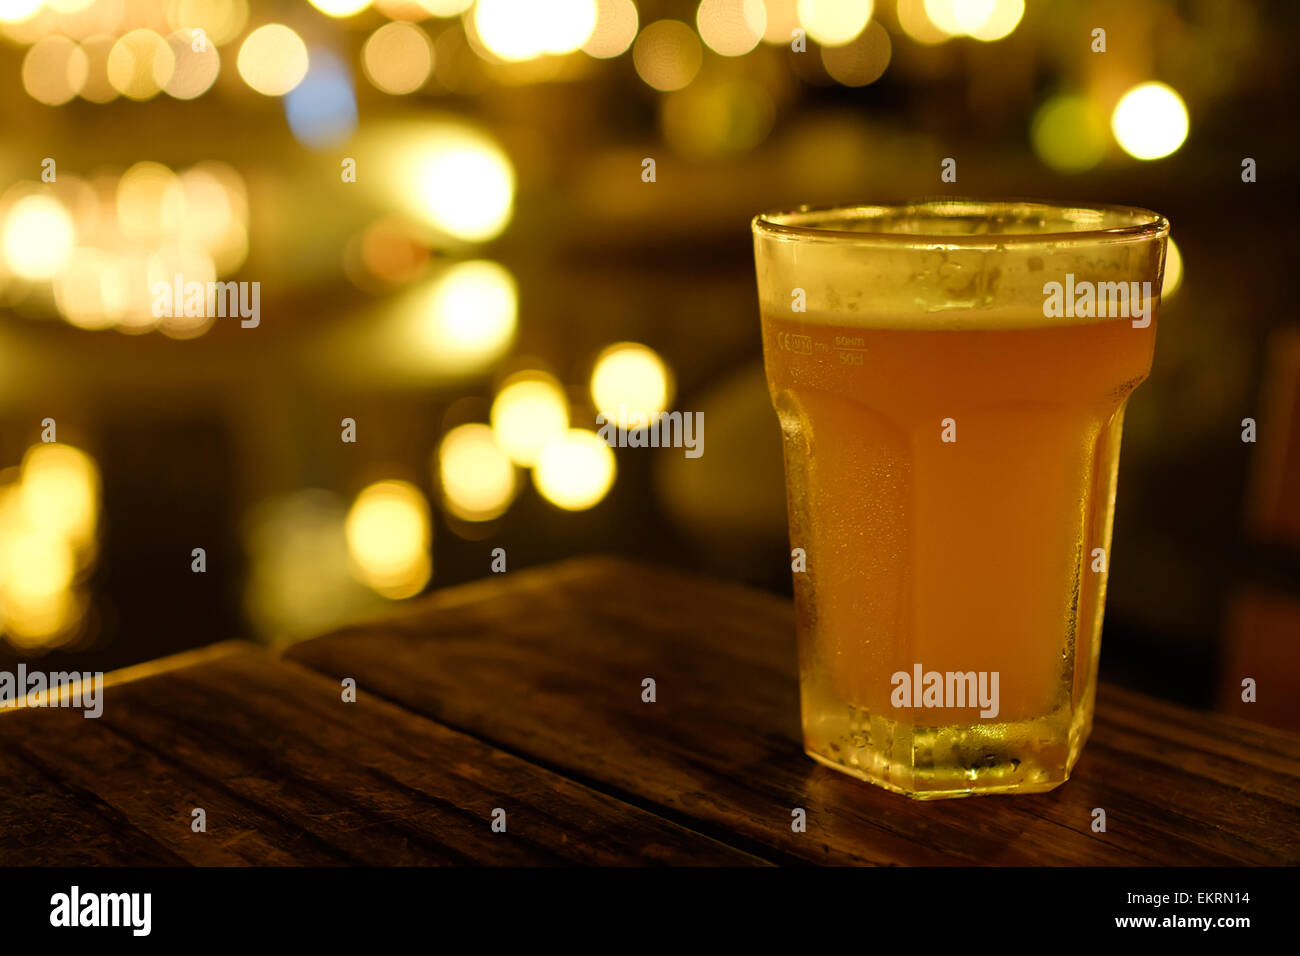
column 958, row 265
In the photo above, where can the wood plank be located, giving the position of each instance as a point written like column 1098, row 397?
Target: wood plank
column 288, row 773
column 548, row 664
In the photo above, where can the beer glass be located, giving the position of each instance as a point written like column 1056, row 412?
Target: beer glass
column 950, row 377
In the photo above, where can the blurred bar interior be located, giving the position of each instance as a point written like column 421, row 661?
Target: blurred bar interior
column 462, row 256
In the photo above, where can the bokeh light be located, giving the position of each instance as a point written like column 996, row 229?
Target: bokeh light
column 49, row 512
column 54, row 70
column 192, row 264
column 916, row 23
column 834, row 22
column 79, row 289
column 943, row 14
column 98, row 88
column 140, row 64
column 273, row 59
column 988, row 20
column 150, row 202
column 220, row 20
column 731, row 27
column 322, row 109
column 518, row 30
column 472, row 313
column 457, row 181
column 530, row 410
column 39, row 237
column 195, row 71
column 575, row 471
column 388, row 536
column 445, row 8
column 1173, row 270
column 782, row 21
column 60, row 491
column 616, row 26
column 862, row 60
column 398, row 58
column 667, row 55
column 631, row 378
column 477, row 477
column 14, row 11
column 1069, row 134
column 340, row 8
column 1150, row 121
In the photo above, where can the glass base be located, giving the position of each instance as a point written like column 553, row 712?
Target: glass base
column 934, row 763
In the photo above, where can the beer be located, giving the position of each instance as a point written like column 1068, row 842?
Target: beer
column 951, row 483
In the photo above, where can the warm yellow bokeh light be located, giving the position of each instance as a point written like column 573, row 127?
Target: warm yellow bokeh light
column 445, row 8
column 943, row 15
column 54, row 70
column 575, row 471
column 518, row 30
column 460, row 183
column 631, row 379
column 914, row 21
column 150, row 202
column 37, row 568
column 97, row 88
column 565, row 25
column 988, row 20
column 616, row 26
column 140, row 64
column 1173, row 270
column 39, row 238
column 195, row 71
column 340, row 8
column 48, row 520
column 79, row 289
column 834, row 22
column 273, row 59
column 220, row 20
column 1150, row 121
column 530, row 410
column 193, row 264
column 210, row 208
column 782, row 21
column 1069, row 134
column 388, row 535
column 472, row 312
column 731, row 27
column 860, row 61
column 667, row 55
column 60, row 491
column 477, row 477
column 15, row 11
column 398, row 58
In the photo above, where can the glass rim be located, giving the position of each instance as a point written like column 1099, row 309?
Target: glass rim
column 792, row 223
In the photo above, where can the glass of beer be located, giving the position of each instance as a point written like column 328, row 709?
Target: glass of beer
column 950, row 377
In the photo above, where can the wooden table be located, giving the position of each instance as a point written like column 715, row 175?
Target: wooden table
column 523, row 692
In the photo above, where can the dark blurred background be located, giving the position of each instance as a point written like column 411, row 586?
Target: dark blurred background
column 461, row 249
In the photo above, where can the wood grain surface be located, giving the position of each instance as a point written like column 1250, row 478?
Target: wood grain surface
column 524, row 692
